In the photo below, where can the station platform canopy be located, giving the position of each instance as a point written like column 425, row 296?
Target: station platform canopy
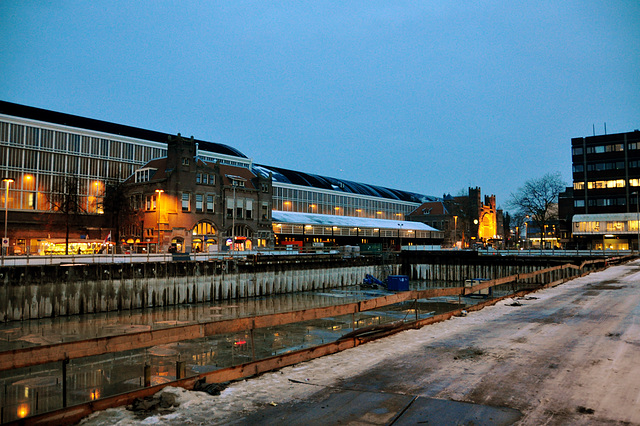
column 296, row 218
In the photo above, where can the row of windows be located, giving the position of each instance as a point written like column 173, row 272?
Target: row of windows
column 309, row 201
column 606, row 184
column 52, row 140
column 601, row 149
column 205, row 179
column 204, row 203
column 606, row 226
column 34, row 162
column 602, row 202
column 598, row 167
column 245, row 164
column 40, row 192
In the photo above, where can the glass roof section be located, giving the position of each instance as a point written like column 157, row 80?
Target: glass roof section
column 347, row 221
column 281, row 175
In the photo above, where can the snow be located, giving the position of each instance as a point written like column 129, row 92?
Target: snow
column 347, row 221
column 302, row 380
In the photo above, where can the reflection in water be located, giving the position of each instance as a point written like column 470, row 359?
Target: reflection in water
column 39, row 389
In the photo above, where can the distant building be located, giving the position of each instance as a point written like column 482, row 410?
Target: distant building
column 606, row 183
column 465, row 220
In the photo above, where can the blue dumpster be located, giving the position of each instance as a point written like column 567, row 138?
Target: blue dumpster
column 398, row 283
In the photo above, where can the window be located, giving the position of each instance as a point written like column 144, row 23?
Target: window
column 186, row 202
column 199, row 203
column 264, row 211
column 578, row 185
column 198, row 178
column 229, row 208
column 144, row 175
column 185, row 161
column 212, row 179
column 577, row 151
column 150, row 203
column 209, row 203
column 249, row 209
column 578, row 168
column 602, row 184
column 239, row 209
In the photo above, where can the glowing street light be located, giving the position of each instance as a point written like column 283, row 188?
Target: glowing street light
column 6, row 211
column 159, row 192
column 637, row 216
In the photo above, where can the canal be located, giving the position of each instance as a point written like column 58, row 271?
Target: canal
column 38, row 389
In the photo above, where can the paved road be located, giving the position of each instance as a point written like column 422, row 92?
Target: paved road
column 567, row 355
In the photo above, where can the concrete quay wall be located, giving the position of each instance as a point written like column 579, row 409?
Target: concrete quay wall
column 468, row 265
column 43, row 291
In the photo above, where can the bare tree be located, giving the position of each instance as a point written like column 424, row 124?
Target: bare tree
column 538, row 199
column 117, row 208
column 65, row 198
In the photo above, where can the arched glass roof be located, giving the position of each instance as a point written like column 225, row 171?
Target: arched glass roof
column 323, row 182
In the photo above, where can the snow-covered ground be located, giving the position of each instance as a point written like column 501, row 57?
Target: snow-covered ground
column 567, row 355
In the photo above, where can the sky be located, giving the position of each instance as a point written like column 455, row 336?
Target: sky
column 425, row 96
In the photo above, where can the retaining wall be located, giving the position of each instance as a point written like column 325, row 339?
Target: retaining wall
column 32, row 292
column 41, row 291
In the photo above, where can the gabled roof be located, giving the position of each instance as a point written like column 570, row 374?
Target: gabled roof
column 432, row 208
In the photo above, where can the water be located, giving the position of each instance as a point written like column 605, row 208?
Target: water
column 32, row 390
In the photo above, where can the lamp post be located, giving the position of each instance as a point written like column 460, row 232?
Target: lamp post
column 637, row 217
column 233, row 217
column 159, row 192
column 235, row 182
column 455, row 231
column 6, row 213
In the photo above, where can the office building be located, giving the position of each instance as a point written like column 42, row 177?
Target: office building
column 606, row 184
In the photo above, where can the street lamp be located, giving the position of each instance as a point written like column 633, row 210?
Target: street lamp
column 637, row 217
column 159, row 192
column 235, row 182
column 6, row 211
column 455, row 231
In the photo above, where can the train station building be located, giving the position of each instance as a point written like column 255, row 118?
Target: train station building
column 61, row 175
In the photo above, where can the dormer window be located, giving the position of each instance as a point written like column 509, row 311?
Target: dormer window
column 144, row 175
column 236, row 180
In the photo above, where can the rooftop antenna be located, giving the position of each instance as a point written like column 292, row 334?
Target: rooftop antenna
column 594, row 129
column 605, row 127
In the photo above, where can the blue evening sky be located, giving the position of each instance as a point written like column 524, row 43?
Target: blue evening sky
column 426, row 96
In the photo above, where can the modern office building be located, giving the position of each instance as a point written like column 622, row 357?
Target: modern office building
column 606, row 184
column 47, row 156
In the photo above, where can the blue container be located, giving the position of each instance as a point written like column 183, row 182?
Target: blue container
column 398, row 283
